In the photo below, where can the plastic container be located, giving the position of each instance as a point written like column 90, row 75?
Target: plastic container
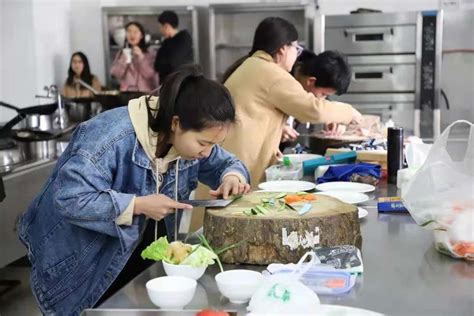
column 282, row 172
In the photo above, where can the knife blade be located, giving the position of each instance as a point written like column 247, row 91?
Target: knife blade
column 219, row 203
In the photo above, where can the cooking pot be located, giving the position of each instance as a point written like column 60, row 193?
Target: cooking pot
column 36, row 144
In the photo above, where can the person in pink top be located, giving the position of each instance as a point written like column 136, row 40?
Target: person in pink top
column 133, row 65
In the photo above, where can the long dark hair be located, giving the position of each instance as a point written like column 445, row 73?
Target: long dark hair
column 198, row 102
column 271, row 34
column 142, row 44
column 330, row 68
column 85, row 76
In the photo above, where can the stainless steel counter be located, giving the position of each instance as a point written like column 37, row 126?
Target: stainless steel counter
column 403, row 275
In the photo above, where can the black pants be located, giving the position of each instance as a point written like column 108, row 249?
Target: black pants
column 135, row 265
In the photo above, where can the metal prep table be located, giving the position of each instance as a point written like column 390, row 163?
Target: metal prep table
column 403, row 275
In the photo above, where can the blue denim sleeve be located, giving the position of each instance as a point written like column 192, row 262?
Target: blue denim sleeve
column 219, row 162
column 86, row 199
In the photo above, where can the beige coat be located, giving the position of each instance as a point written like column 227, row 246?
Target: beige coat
column 265, row 95
column 77, row 91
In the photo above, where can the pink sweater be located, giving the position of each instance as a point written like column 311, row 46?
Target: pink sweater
column 139, row 75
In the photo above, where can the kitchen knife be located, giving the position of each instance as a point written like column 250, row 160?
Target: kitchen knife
column 219, row 203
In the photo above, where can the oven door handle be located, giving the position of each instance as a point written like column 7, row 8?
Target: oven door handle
column 370, row 72
column 370, row 32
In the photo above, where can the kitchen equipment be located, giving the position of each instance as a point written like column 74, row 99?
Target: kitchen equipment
column 394, row 152
column 81, row 109
column 38, row 121
column 113, row 98
column 173, row 292
column 396, row 64
column 317, row 143
column 282, row 172
column 232, row 27
column 207, row 203
column 38, row 117
column 238, row 285
column 36, row 144
column 10, row 154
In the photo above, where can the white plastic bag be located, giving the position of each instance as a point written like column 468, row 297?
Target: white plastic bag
column 440, row 196
column 285, row 294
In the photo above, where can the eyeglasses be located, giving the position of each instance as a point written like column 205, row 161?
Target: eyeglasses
column 299, row 48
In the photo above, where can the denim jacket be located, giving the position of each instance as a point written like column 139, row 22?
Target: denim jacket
column 74, row 244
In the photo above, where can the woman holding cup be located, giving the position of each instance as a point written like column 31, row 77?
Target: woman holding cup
column 133, row 65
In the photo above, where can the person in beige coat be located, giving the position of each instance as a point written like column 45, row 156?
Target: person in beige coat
column 265, row 94
column 79, row 69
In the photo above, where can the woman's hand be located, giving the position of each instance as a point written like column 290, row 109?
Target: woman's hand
column 356, row 117
column 230, row 185
column 333, row 129
column 157, row 206
column 137, row 52
column 288, row 134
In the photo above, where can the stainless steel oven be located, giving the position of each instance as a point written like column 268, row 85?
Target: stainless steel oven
column 396, row 64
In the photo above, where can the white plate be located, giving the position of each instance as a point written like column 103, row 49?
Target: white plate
column 298, row 158
column 287, row 186
column 345, row 186
column 347, row 197
column 362, row 212
column 334, row 310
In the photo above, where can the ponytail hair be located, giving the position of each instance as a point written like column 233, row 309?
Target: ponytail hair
column 198, row 102
column 271, row 34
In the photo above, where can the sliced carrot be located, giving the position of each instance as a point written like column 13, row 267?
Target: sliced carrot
column 292, row 198
column 464, row 248
column 309, row 197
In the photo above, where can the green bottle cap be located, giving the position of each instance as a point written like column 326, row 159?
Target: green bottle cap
column 286, row 161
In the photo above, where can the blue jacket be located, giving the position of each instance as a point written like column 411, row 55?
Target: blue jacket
column 75, row 247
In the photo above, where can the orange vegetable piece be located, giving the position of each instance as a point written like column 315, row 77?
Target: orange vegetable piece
column 464, row 248
column 292, row 198
column 309, row 197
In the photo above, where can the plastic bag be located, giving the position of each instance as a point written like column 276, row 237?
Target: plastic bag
column 285, row 294
column 440, row 196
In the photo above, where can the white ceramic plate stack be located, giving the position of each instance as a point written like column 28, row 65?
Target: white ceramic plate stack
column 287, row 186
column 347, row 192
column 345, row 186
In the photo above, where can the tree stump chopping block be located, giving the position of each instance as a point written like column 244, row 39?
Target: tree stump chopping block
column 280, row 236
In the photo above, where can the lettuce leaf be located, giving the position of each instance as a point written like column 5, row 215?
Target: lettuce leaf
column 199, row 257
column 157, row 250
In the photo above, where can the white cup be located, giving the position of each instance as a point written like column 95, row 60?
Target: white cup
column 128, row 54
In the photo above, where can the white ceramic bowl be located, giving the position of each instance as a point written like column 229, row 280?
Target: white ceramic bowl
column 238, row 285
column 171, row 292
column 183, row 270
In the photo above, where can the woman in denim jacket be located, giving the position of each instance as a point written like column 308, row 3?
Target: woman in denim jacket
column 121, row 168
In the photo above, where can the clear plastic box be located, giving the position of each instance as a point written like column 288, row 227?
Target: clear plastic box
column 281, row 172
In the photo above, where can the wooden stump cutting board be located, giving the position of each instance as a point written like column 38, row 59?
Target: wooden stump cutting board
column 280, row 236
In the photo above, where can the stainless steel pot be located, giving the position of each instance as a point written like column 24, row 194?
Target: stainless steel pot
column 78, row 112
column 36, row 144
column 38, row 122
column 39, row 149
column 82, row 109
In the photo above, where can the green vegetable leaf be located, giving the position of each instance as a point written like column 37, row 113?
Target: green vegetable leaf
column 157, row 250
column 199, row 257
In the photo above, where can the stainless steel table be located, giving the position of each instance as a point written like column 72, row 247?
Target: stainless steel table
column 403, row 275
